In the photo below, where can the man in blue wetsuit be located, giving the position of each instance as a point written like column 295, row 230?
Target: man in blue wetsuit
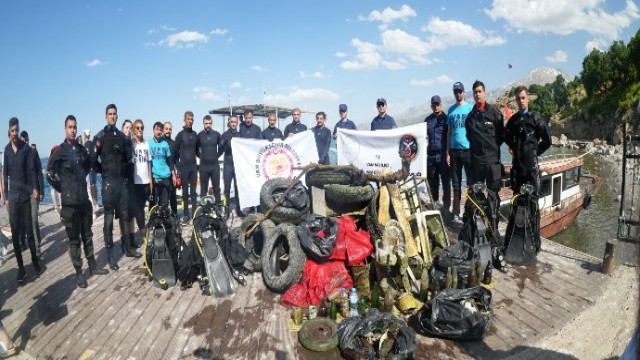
column 458, row 145
column 382, row 121
column 344, row 122
column 187, row 146
column 295, row 126
column 437, row 167
column 323, row 138
column 248, row 129
column 272, row 132
column 209, row 166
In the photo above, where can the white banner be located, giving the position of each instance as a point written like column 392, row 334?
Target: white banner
column 374, row 150
column 256, row 161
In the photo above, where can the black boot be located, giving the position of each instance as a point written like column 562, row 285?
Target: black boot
column 36, row 266
column 133, row 242
column 80, row 280
column 93, row 267
column 112, row 261
column 130, row 251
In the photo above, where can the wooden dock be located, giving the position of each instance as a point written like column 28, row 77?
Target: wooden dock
column 122, row 316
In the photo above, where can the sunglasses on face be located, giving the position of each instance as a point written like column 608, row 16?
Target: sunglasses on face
column 458, row 91
column 139, row 127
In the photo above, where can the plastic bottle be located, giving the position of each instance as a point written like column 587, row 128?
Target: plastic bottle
column 353, row 302
column 344, row 303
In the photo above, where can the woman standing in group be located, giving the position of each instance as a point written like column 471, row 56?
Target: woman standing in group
column 142, row 184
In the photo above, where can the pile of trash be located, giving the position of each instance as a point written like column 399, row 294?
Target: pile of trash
column 359, row 250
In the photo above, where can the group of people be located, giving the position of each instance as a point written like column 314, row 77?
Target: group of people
column 135, row 171
column 469, row 137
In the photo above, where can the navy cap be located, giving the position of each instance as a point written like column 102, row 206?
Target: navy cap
column 342, row 108
column 435, row 99
column 381, row 101
column 458, row 86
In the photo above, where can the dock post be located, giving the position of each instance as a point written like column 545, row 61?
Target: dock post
column 609, row 260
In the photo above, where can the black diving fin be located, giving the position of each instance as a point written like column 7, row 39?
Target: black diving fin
column 164, row 274
column 221, row 281
column 520, row 238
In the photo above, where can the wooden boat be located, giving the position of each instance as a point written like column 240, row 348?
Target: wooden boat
column 565, row 191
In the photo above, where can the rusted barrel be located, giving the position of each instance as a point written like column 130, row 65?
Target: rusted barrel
column 609, row 260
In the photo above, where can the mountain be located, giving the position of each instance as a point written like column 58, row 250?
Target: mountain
column 540, row 76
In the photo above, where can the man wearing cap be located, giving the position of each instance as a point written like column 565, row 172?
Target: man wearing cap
column 296, row 126
column 437, row 167
column 383, row 121
column 344, row 122
column 91, row 178
column 458, row 144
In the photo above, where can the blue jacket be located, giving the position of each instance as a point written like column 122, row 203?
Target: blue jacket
column 437, row 135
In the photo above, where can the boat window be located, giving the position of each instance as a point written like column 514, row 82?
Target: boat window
column 556, row 190
column 571, row 178
column 545, row 186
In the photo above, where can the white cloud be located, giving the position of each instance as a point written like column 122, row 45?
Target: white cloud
column 316, row 75
column 415, row 82
column 184, row 39
column 597, row 43
column 446, row 33
column 235, row 85
column 94, row 62
column 404, row 44
column 219, row 32
column 389, row 15
column 258, row 68
column 301, row 96
column 444, row 79
column 367, row 57
column 340, row 54
column 557, row 57
column 161, row 27
column 564, row 17
column 204, row 93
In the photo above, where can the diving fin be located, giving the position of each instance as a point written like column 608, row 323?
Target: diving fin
column 221, row 282
column 161, row 264
column 521, row 249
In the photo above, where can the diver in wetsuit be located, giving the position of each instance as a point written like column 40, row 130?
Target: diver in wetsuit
column 113, row 159
column 228, row 169
column 528, row 135
column 186, row 149
column 67, row 172
column 209, row 166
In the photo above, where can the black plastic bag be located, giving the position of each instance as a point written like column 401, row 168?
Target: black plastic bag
column 457, row 314
column 461, row 255
column 190, row 264
column 400, row 340
column 318, row 247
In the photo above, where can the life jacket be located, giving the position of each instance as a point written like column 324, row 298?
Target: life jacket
column 161, row 217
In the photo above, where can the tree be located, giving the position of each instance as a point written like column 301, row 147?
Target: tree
column 617, row 59
column 560, row 92
column 594, row 74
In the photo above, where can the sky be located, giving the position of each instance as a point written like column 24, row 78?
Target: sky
column 157, row 59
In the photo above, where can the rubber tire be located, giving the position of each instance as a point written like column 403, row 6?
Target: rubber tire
column 345, row 176
column 292, row 274
column 326, row 331
column 281, row 214
column 266, row 228
column 349, row 196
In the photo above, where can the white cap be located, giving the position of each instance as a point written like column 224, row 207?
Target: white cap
column 87, row 132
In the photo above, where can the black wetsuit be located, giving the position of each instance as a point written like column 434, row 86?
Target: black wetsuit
column 271, row 133
column 209, row 166
column 113, row 159
column 323, row 142
column 67, row 171
column 228, row 170
column 186, row 147
column 173, row 200
column 294, row 128
column 485, row 131
column 529, row 136
column 252, row 131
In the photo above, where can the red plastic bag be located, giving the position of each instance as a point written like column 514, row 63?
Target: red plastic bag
column 352, row 245
column 318, row 281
